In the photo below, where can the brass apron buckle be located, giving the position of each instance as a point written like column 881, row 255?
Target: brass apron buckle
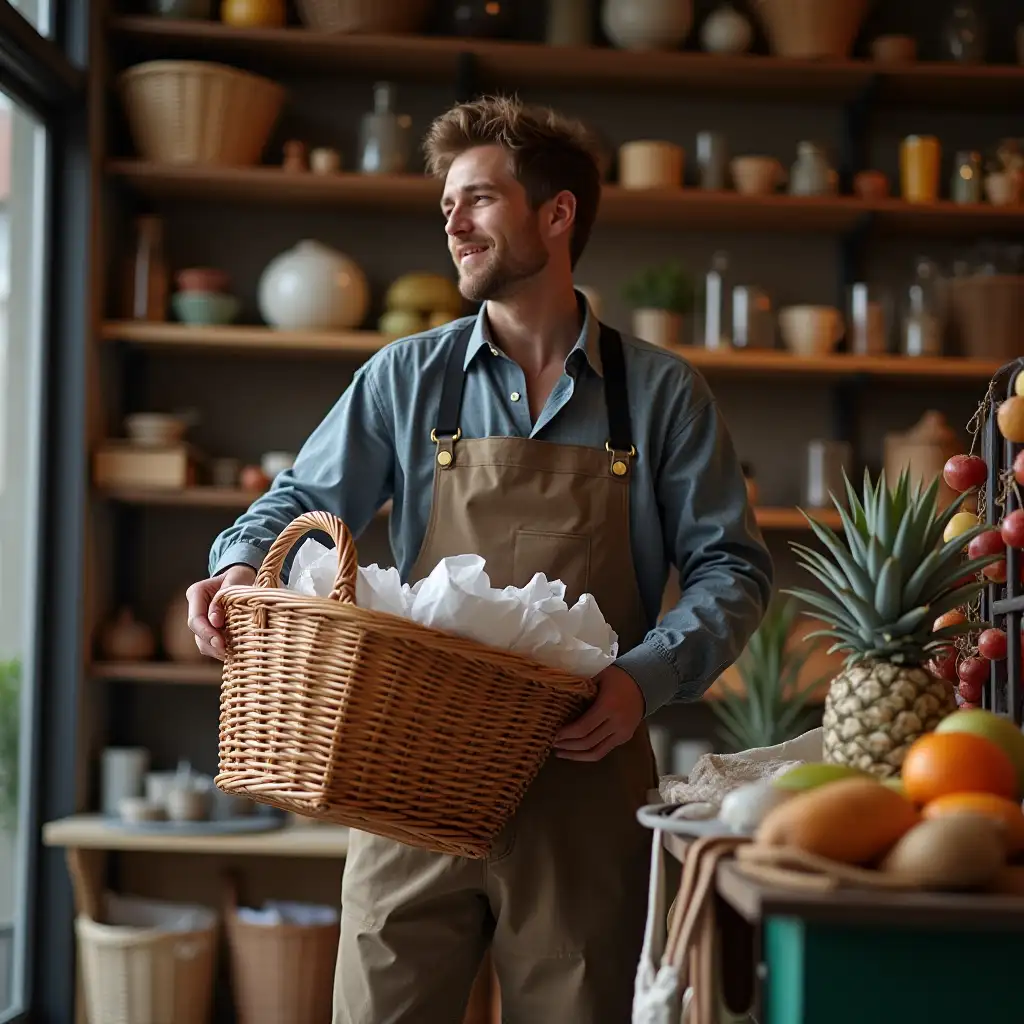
column 445, row 447
column 620, row 460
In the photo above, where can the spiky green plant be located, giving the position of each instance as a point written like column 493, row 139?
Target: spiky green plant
column 773, row 705
column 884, row 588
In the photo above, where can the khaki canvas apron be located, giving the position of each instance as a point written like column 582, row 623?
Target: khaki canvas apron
column 562, row 899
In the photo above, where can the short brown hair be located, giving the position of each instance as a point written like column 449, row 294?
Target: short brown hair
column 549, row 153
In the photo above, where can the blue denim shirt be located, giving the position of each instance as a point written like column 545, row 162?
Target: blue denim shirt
column 688, row 502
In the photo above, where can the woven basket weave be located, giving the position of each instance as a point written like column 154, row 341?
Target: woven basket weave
column 812, row 28
column 368, row 16
column 199, row 112
column 374, row 721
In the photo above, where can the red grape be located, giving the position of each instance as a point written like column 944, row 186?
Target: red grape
column 992, row 644
column 971, row 691
column 988, row 543
column 962, row 472
column 973, row 670
column 1012, row 529
column 968, row 705
column 1018, row 467
column 943, row 666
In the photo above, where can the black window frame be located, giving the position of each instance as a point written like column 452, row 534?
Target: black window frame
column 48, row 76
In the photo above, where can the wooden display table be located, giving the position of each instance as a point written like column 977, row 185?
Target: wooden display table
column 859, row 956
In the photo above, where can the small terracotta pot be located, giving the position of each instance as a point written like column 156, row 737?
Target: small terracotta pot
column 651, row 164
column 871, row 185
column 658, row 327
column 203, row 279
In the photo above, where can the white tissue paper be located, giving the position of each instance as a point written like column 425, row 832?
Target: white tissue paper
column 457, row 597
column 276, row 912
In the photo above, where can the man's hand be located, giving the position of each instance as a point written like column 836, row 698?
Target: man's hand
column 609, row 722
column 207, row 622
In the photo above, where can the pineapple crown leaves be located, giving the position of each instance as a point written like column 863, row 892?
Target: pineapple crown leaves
column 893, row 576
column 772, row 706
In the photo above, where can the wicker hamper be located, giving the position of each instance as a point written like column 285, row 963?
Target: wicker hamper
column 137, row 970
column 282, row 973
column 374, row 721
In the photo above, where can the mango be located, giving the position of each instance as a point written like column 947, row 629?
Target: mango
column 853, row 821
column 817, row 773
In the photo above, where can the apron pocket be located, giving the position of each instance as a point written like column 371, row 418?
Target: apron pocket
column 560, row 556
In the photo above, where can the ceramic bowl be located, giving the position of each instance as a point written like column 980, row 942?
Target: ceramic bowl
column 810, row 330
column 205, row 308
column 154, row 428
column 136, row 809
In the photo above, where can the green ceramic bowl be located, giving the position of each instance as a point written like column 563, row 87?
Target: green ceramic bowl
column 204, row 308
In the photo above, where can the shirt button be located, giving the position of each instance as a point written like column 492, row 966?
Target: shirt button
column 514, row 396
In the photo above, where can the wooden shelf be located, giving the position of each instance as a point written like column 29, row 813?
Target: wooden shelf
column 793, row 518
column 518, row 64
column 236, row 338
column 258, row 339
column 200, row 673
column 689, row 209
column 93, row 832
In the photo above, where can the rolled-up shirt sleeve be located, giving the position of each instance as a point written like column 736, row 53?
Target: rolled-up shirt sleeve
column 346, row 467
column 725, row 570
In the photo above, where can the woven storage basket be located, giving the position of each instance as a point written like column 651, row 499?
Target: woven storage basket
column 146, row 975
column 387, row 16
column 199, row 112
column 374, row 721
column 812, row 28
column 282, row 974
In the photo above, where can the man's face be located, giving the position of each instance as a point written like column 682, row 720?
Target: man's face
column 495, row 238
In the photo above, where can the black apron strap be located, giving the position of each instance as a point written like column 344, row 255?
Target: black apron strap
column 449, row 411
column 616, row 394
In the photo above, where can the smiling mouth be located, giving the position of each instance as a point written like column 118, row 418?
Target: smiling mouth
column 469, row 252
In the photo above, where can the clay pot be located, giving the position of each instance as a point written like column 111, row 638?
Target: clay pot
column 647, row 24
column 124, row 638
column 923, row 451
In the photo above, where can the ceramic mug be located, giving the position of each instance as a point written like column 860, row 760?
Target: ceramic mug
column 920, row 157
column 757, row 175
column 811, row 330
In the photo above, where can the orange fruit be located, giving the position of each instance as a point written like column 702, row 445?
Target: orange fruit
column 1007, row 812
column 956, row 762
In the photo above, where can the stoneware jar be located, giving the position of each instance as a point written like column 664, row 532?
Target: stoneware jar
column 647, row 24
column 726, row 30
column 313, row 287
column 811, row 173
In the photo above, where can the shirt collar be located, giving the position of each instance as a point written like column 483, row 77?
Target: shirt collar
column 587, row 344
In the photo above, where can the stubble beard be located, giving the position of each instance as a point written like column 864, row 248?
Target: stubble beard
column 500, row 276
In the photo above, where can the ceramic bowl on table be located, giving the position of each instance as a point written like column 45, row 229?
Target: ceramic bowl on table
column 203, row 309
column 810, row 330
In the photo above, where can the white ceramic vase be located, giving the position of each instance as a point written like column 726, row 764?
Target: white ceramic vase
column 726, row 30
column 313, row 287
column 647, row 24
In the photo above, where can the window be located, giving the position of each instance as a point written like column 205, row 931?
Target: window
column 23, row 231
column 43, row 205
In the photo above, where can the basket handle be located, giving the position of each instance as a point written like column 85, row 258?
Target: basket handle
column 344, row 589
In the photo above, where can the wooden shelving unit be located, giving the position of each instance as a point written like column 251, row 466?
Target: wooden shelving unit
column 201, row 673
column 518, row 64
column 193, row 497
column 688, row 209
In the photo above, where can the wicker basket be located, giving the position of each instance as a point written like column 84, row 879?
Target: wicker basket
column 139, row 974
column 389, row 16
column 374, row 721
column 198, row 112
column 812, row 28
column 282, row 974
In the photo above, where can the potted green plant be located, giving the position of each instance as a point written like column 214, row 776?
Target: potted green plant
column 10, row 726
column 660, row 298
column 772, row 706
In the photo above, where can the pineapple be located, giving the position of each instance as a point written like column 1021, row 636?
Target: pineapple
column 884, row 589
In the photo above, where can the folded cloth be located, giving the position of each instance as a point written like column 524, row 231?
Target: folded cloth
column 714, row 775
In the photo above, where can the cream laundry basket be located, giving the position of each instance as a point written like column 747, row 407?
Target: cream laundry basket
column 148, row 962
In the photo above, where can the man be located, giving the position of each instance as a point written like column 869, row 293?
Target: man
column 542, row 440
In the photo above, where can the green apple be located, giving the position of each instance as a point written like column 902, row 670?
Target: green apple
column 998, row 730
column 817, row 773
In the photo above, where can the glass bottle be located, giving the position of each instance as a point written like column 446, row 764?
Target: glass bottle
column 922, row 322
column 147, row 281
column 965, row 33
column 717, row 332
column 384, row 136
